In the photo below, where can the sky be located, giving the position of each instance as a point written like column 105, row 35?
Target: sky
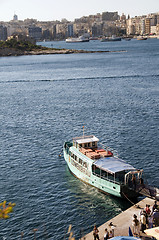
column 49, row 10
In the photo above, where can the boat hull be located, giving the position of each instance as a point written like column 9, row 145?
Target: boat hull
column 107, row 187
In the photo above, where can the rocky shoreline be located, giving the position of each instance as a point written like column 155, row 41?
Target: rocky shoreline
column 4, row 52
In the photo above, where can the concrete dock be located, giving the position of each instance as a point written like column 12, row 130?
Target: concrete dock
column 123, row 221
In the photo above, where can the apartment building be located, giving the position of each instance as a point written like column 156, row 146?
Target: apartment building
column 3, row 33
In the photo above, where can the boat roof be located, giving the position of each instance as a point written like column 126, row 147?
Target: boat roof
column 113, row 165
column 85, row 139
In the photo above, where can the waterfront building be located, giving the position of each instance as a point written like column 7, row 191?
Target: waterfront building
column 54, row 31
column 70, row 30
column 153, row 30
column 35, row 32
column 46, row 34
column 157, row 29
column 97, row 30
column 3, row 33
column 147, row 26
column 142, row 26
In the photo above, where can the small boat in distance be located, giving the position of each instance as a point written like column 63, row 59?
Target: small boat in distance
column 141, row 38
column 100, row 168
column 79, row 39
column 111, row 39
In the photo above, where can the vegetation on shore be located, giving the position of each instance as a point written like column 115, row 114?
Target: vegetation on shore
column 20, row 45
column 14, row 47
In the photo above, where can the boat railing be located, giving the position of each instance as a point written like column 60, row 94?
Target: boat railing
column 115, row 153
column 105, row 178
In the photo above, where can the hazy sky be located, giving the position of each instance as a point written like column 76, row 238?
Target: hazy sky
column 71, row 9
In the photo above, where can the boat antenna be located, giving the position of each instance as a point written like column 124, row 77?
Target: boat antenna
column 83, row 131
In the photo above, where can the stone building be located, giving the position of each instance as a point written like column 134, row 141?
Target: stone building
column 3, row 33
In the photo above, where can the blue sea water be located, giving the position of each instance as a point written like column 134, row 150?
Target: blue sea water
column 45, row 100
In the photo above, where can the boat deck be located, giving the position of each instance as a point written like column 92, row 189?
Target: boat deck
column 96, row 153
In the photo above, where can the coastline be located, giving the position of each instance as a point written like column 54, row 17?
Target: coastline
column 6, row 52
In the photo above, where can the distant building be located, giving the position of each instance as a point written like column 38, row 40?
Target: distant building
column 35, row 32
column 3, row 33
column 15, row 17
column 46, row 34
column 70, row 30
column 97, row 30
column 147, row 26
column 123, row 17
column 54, row 32
column 110, row 16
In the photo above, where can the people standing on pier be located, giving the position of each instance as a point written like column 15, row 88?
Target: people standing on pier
column 95, row 232
column 111, row 234
column 155, row 206
column 112, row 226
column 148, row 212
column 143, row 221
column 135, row 226
column 156, row 217
column 150, row 221
column 106, row 235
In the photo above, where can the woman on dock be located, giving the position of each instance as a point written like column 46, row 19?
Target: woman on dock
column 95, row 233
column 106, row 235
column 135, row 226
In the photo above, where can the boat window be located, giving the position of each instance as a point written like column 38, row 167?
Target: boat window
column 119, row 177
column 75, row 158
column 80, row 161
column 85, row 145
column 111, row 176
column 103, row 173
column 85, row 164
column 88, row 144
column 93, row 144
column 96, row 170
column 80, row 145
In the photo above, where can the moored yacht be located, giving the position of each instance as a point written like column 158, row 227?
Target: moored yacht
column 100, row 168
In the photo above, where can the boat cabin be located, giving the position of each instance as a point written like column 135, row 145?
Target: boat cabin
column 85, row 142
column 88, row 145
column 116, row 170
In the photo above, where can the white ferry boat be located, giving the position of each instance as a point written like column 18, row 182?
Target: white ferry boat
column 79, row 39
column 100, row 168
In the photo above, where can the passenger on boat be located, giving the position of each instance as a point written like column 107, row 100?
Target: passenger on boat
column 134, row 182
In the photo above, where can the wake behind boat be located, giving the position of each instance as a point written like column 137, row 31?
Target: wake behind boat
column 100, row 168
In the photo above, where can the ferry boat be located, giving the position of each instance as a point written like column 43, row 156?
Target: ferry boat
column 111, row 39
column 100, row 168
column 79, row 39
